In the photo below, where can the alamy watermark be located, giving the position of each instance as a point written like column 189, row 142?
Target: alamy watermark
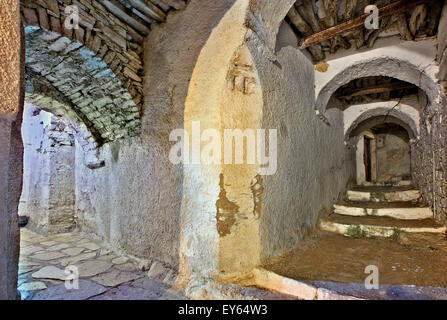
column 372, row 280
column 72, row 19
column 72, row 278
column 372, row 21
column 205, row 147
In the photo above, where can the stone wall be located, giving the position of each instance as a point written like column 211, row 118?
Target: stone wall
column 314, row 166
column 40, row 93
column 393, row 158
column 134, row 201
column 429, row 156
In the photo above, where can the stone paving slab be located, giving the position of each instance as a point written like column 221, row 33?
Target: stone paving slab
column 141, row 289
column 73, row 251
column 47, row 255
column 103, row 273
column 73, row 260
column 86, row 290
column 93, row 268
column 115, row 277
column 31, row 286
column 386, row 292
column 50, row 272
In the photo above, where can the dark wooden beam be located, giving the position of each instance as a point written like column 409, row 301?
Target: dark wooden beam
column 302, row 26
column 386, row 11
column 382, row 88
column 417, row 19
column 434, row 16
column 309, row 15
column 115, row 8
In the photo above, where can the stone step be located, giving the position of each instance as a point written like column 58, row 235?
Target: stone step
column 397, row 210
column 383, row 194
column 381, row 227
column 389, row 184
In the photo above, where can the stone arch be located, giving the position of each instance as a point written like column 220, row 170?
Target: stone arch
column 373, row 117
column 40, row 93
column 119, row 44
column 379, row 66
column 265, row 18
column 207, row 230
column 96, row 94
column 408, row 107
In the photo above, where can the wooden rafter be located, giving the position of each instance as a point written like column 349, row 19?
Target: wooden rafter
column 382, row 88
column 396, row 7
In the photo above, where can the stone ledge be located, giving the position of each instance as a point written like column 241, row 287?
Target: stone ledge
column 414, row 213
column 375, row 231
column 272, row 281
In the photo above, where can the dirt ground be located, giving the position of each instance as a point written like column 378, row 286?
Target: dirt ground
column 412, row 259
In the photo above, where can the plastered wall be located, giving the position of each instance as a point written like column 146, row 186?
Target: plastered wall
column 314, row 166
column 143, row 204
column 393, row 158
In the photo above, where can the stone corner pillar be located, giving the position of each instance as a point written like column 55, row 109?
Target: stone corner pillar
column 11, row 146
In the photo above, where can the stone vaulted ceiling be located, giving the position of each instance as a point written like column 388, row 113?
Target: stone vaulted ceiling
column 98, row 66
column 96, row 94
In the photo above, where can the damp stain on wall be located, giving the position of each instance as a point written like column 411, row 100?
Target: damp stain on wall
column 226, row 211
column 257, row 189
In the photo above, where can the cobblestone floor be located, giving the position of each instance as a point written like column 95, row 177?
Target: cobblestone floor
column 102, row 273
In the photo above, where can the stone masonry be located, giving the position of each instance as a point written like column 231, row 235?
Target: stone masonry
column 86, row 81
column 430, row 160
column 103, row 274
column 40, row 93
column 107, row 29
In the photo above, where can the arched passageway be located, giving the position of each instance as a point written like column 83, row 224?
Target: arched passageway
column 383, row 153
column 243, row 69
column 279, row 75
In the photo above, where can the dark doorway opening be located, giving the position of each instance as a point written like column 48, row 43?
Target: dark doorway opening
column 367, row 158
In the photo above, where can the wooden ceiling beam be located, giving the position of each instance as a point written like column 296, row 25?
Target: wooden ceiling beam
column 383, row 88
column 396, row 7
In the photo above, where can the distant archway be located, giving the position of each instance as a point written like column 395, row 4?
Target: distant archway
column 40, row 93
column 382, row 66
column 377, row 116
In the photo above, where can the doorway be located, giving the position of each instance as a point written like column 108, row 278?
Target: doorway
column 367, row 158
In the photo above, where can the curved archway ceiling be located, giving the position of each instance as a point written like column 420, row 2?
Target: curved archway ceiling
column 86, row 81
column 324, row 26
column 382, row 121
column 391, row 128
column 42, row 94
